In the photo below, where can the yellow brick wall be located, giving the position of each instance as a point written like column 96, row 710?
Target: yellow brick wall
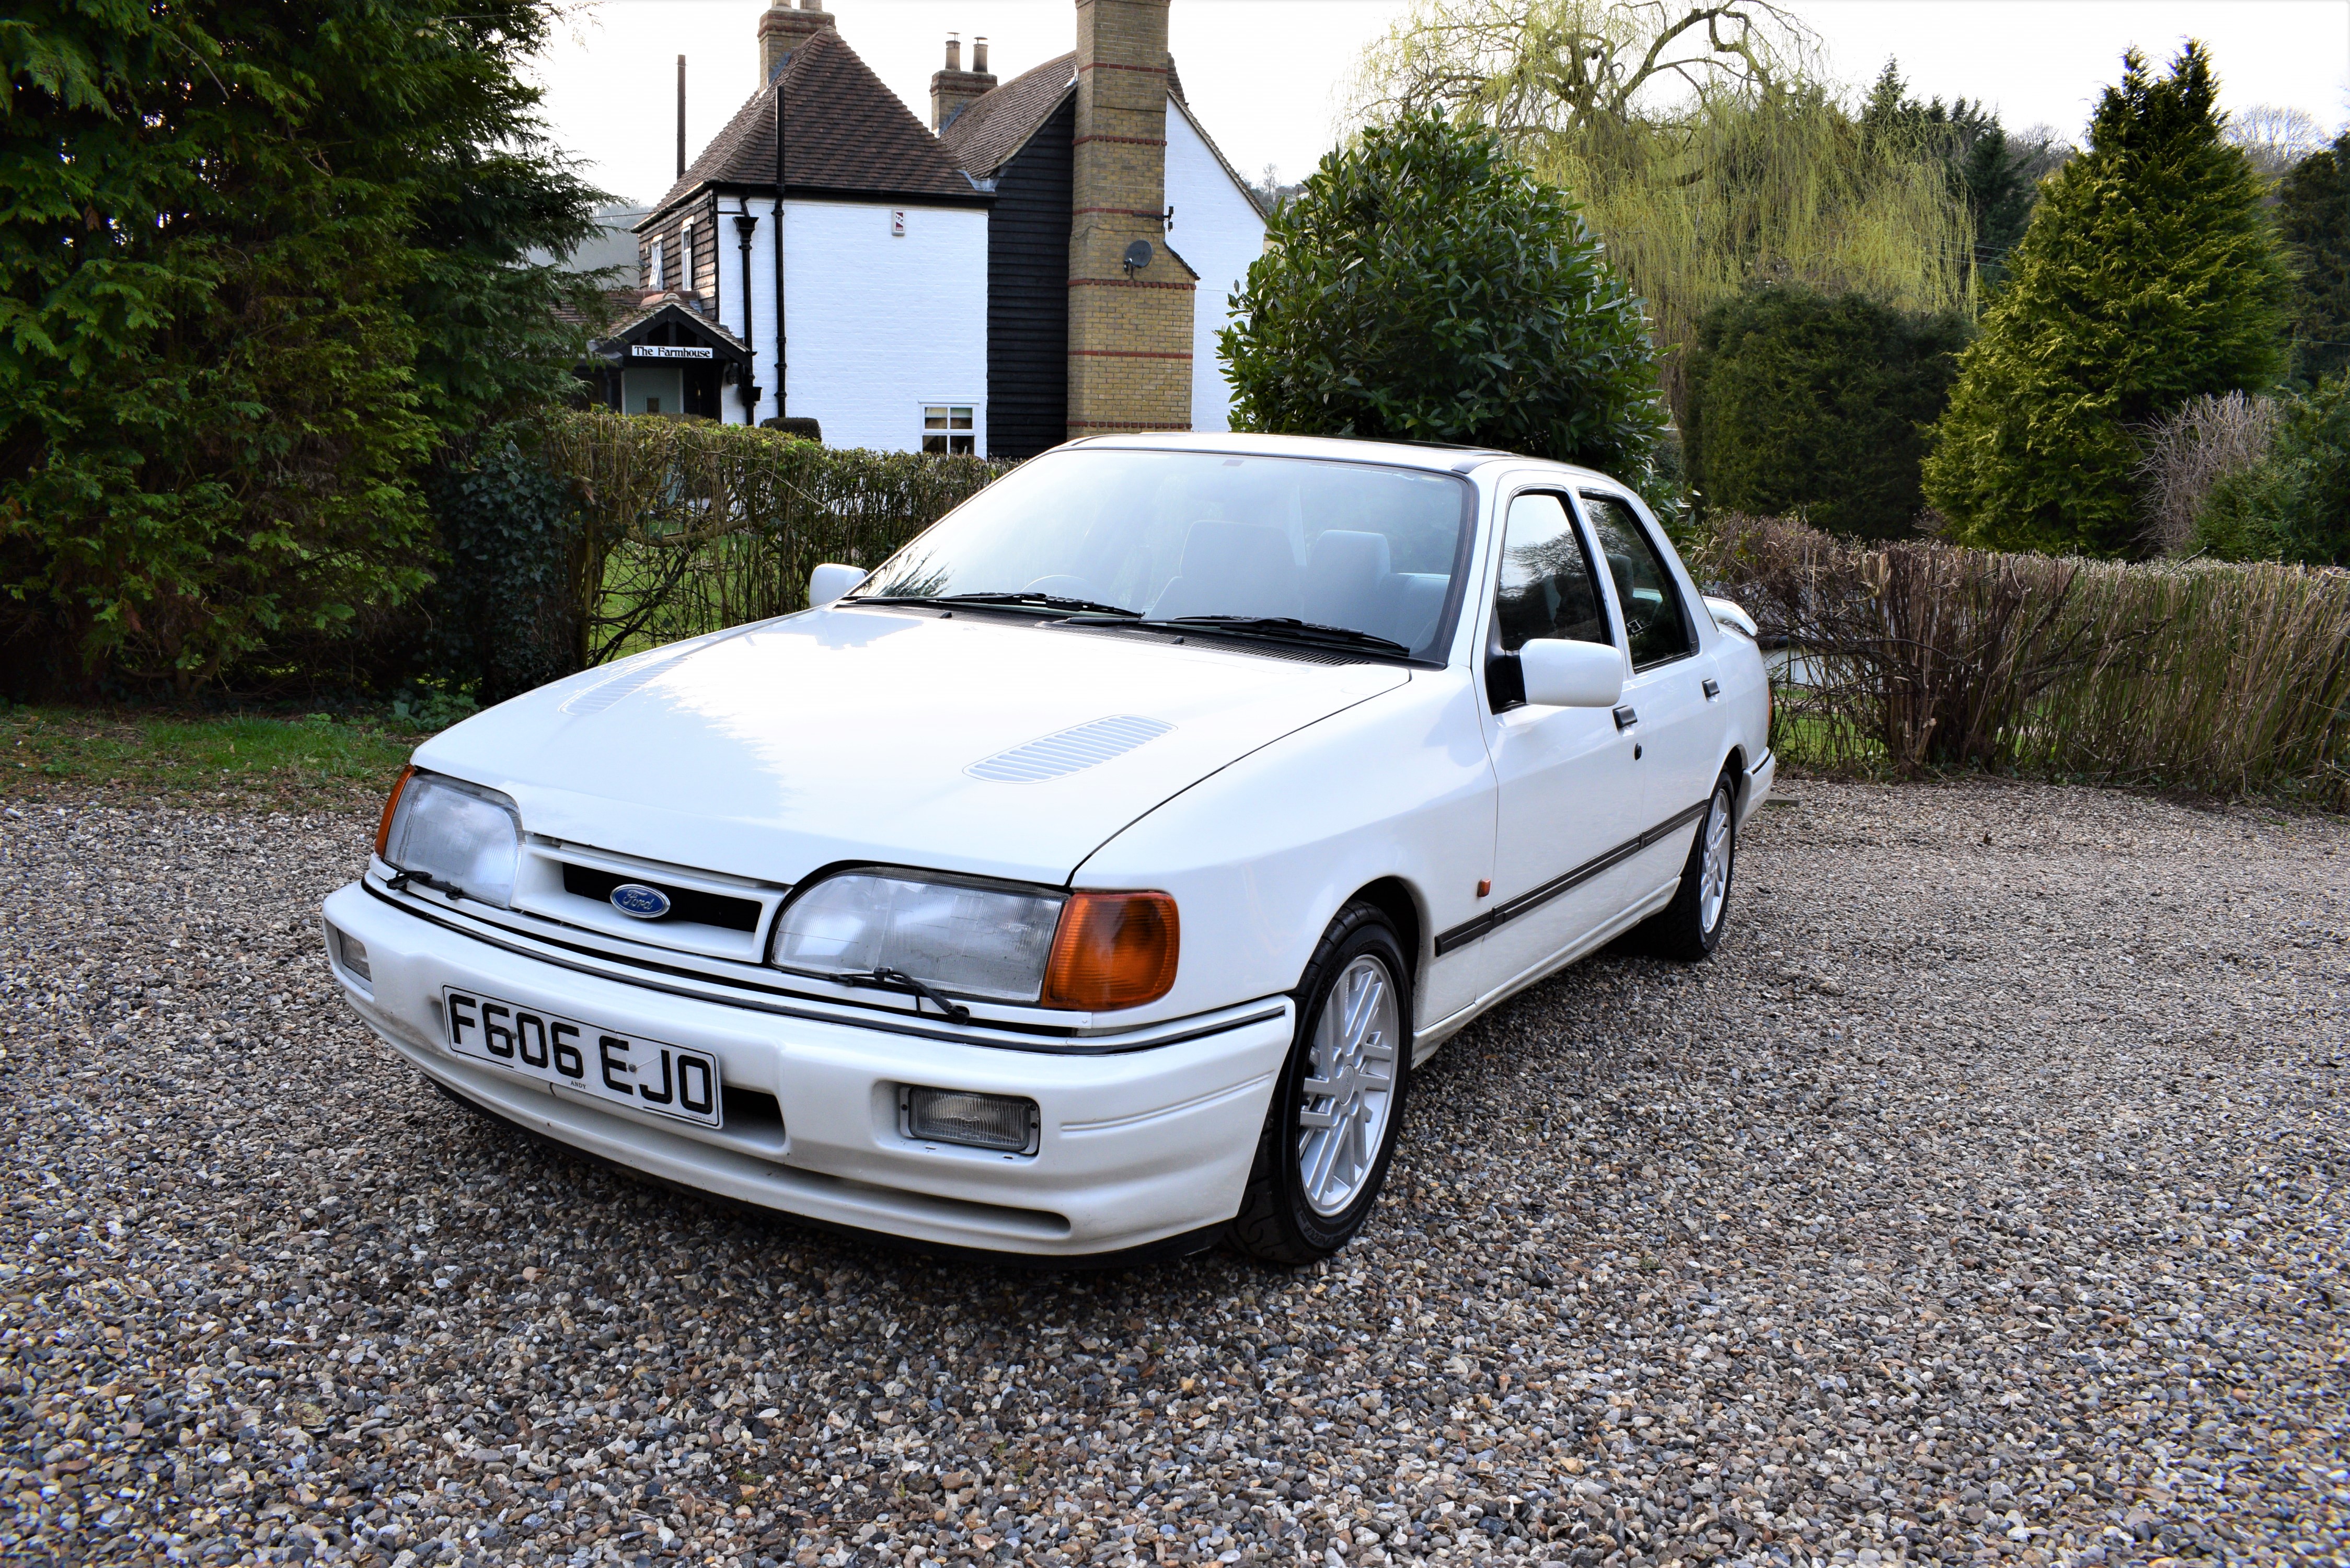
column 1130, row 337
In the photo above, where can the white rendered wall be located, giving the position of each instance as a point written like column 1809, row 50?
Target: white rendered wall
column 882, row 325
column 1219, row 231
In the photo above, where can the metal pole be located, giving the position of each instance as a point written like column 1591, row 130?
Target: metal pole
column 681, row 117
column 745, row 222
column 781, row 380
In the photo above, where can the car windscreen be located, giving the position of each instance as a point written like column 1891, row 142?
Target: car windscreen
column 1167, row 536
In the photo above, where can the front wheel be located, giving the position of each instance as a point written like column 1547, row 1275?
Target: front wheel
column 1331, row 1131
column 1690, row 928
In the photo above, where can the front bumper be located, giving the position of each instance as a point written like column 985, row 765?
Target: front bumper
column 1133, row 1147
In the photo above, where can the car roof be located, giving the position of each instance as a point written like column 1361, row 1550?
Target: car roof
column 1428, row 456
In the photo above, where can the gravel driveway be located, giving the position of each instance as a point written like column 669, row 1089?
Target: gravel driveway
column 1981, row 1199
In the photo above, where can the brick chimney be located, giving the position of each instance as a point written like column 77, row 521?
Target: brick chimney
column 1129, row 328
column 953, row 89
column 783, row 29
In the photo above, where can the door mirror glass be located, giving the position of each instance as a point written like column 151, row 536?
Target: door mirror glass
column 1559, row 673
column 1654, row 620
column 830, row 581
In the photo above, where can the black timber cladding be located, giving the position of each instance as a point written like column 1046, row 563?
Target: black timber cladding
column 1028, row 292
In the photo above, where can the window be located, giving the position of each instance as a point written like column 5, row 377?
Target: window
column 655, row 276
column 1171, row 534
column 685, row 257
column 652, row 405
column 1547, row 587
column 1654, row 620
column 947, row 427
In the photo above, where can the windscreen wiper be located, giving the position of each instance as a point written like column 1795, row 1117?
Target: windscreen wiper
column 1287, row 626
column 1009, row 600
column 899, row 980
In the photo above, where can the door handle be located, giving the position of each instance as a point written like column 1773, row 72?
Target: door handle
column 1712, row 689
column 1626, row 718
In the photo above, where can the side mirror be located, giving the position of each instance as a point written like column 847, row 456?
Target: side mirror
column 828, row 582
column 1730, row 613
column 1559, row 673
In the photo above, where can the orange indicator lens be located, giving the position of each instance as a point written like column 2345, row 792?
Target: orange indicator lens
column 1112, row 950
column 392, row 805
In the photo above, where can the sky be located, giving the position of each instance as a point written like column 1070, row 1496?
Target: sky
column 1268, row 77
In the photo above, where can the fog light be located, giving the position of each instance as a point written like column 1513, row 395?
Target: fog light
column 353, row 954
column 975, row 1121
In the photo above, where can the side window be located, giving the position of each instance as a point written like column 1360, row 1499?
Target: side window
column 1546, row 588
column 1654, row 619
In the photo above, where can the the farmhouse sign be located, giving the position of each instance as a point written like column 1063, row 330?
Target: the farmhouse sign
column 669, row 351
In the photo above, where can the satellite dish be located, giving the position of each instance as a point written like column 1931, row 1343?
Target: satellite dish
column 1137, row 256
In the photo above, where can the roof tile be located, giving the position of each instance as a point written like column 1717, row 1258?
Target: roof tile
column 997, row 124
column 843, row 129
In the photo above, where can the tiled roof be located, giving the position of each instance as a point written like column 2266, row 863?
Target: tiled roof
column 843, row 130
column 687, row 305
column 997, row 124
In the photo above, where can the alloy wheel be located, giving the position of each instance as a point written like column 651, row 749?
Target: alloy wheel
column 1350, row 1089
column 1713, row 877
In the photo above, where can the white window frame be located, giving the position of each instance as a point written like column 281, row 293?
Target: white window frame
column 949, row 432
column 656, row 274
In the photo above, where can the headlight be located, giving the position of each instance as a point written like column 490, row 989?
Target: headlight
column 1086, row 951
column 984, row 942
column 457, row 837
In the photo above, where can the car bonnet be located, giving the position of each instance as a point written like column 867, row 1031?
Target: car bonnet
column 970, row 743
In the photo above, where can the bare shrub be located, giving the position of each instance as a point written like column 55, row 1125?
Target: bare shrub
column 2233, row 679
column 2188, row 452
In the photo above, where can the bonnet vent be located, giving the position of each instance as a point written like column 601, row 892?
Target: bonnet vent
column 1071, row 751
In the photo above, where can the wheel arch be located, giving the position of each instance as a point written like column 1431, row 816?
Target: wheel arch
column 1394, row 898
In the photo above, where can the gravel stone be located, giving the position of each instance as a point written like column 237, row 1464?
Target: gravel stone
column 1982, row 1199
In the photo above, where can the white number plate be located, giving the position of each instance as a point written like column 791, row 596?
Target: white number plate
column 666, row 1080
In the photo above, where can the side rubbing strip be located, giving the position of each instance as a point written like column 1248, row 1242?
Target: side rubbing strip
column 1463, row 935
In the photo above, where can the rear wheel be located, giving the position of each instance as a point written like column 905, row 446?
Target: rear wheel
column 1331, row 1130
column 1690, row 928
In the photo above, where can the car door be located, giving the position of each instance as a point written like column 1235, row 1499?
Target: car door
column 1674, row 716
column 1568, row 795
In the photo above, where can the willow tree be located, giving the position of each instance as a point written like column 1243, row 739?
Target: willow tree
column 1698, row 144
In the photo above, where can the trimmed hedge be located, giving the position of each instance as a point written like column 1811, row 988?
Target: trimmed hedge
column 1802, row 402
column 2233, row 680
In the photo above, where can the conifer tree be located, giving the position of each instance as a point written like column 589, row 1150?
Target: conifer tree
column 2313, row 212
column 2149, row 275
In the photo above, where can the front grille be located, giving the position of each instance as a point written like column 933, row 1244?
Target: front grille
column 687, row 905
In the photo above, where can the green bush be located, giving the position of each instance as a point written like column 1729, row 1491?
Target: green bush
column 503, row 618
column 1806, row 402
column 1425, row 286
column 2150, row 274
column 258, row 258
column 2294, row 504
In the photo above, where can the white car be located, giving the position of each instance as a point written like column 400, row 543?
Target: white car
column 1090, row 877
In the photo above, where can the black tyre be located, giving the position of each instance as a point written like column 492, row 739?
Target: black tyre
column 1331, row 1131
column 1690, row 928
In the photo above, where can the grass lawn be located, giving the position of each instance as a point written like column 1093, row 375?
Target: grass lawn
column 317, row 762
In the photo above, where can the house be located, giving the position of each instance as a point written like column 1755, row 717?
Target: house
column 1049, row 257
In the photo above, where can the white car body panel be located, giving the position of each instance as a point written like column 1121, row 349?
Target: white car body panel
column 1280, row 787
column 703, row 766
